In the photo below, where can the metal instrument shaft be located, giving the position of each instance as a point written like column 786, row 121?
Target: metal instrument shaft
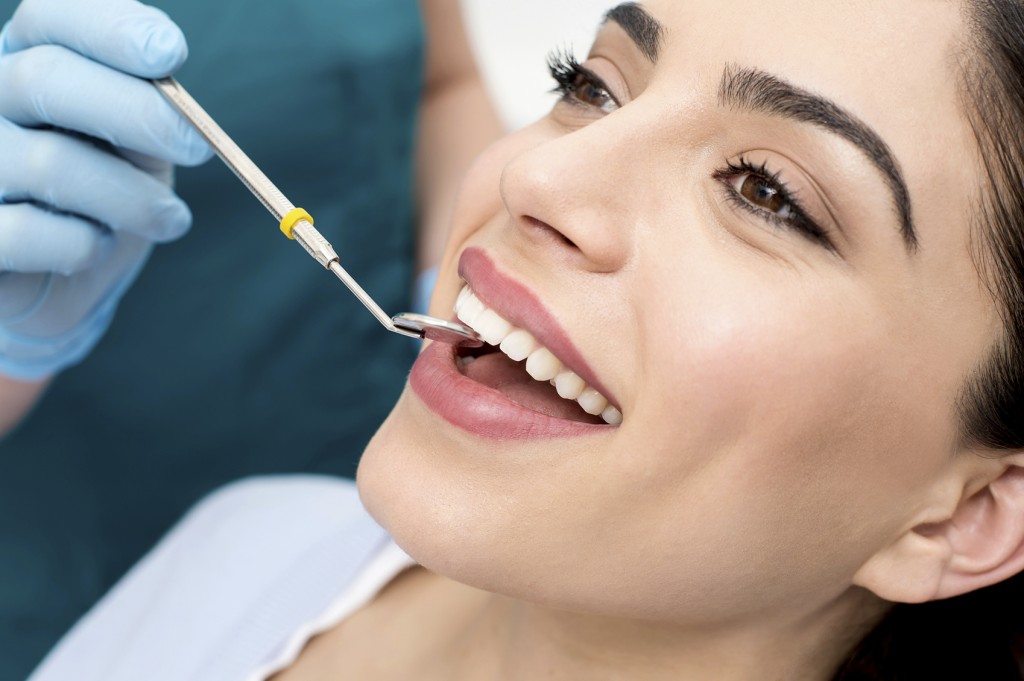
column 269, row 195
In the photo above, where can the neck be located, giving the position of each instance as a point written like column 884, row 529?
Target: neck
column 502, row 638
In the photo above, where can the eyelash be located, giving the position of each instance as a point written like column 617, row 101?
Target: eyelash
column 569, row 74
column 798, row 219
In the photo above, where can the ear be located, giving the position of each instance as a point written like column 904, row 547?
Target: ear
column 979, row 544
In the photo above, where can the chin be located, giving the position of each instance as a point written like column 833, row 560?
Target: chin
column 403, row 485
column 379, row 476
column 491, row 516
column 444, row 517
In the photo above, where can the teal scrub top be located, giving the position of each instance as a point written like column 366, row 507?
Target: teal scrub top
column 234, row 353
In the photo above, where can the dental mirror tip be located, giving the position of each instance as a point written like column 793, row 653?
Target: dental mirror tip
column 432, row 328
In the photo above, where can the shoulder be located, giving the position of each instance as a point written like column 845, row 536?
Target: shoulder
column 267, row 519
column 241, row 570
column 287, row 507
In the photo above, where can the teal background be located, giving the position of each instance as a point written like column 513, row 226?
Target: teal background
column 234, row 353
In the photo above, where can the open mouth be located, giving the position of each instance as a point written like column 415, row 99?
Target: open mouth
column 514, row 363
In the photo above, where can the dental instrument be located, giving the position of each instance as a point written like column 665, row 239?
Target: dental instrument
column 297, row 224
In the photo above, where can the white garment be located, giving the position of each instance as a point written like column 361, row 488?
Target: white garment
column 235, row 590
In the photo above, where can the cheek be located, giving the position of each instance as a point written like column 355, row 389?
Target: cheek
column 798, row 413
column 479, row 199
column 804, row 363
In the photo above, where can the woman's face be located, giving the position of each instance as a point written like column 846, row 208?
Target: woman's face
column 753, row 236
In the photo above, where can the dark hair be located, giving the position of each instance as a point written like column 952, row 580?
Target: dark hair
column 979, row 635
column 991, row 405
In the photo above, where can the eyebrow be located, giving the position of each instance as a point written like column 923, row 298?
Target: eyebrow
column 760, row 92
column 640, row 26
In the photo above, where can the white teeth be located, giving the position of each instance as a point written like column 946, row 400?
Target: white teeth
column 541, row 363
column 518, row 345
column 569, row 385
column 592, row 401
column 463, row 294
column 471, row 310
column 491, row 327
column 611, row 415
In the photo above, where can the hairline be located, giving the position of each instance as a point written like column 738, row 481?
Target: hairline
column 986, row 382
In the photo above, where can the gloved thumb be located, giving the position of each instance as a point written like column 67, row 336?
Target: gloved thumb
column 124, row 34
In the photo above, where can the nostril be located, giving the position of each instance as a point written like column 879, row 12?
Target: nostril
column 549, row 231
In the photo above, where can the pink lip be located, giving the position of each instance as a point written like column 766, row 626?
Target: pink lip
column 484, row 411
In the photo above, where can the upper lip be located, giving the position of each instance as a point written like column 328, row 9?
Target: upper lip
column 522, row 308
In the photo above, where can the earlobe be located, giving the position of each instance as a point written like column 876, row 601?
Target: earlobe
column 981, row 544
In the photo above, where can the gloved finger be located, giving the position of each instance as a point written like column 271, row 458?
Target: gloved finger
column 123, row 34
column 73, row 297
column 20, row 294
column 53, row 86
column 36, row 240
column 75, row 176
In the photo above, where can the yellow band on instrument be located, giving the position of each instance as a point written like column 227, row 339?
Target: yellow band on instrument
column 294, row 215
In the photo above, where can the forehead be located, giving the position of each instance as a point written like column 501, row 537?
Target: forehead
column 892, row 62
column 875, row 39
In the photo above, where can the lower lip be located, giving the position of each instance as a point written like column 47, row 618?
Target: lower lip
column 480, row 410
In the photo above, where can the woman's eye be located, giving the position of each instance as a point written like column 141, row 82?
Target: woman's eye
column 579, row 85
column 760, row 192
column 586, row 91
column 764, row 193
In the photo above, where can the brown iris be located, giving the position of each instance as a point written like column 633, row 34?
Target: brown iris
column 590, row 93
column 760, row 192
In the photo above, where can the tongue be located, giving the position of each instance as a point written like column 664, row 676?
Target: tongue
column 497, row 371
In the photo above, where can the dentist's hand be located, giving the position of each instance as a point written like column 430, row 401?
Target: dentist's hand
column 87, row 151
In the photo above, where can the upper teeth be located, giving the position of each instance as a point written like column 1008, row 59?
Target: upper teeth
column 541, row 363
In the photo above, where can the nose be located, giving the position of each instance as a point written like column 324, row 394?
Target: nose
column 576, row 192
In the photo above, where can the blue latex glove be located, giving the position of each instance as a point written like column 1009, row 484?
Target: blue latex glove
column 87, row 151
